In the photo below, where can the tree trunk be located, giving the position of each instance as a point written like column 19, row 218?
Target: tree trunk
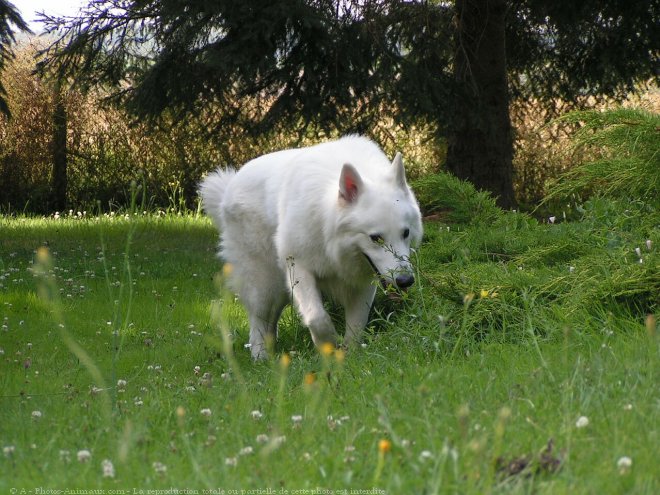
column 480, row 145
column 59, row 150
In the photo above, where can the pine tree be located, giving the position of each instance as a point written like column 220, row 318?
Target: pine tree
column 339, row 64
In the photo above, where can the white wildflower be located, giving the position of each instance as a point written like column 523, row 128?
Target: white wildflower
column 256, row 414
column 425, row 454
column 624, row 464
column 108, row 468
column 246, row 451
column 262, row 438
column 36, row 414
column 581, row 422
column 206, row 412
column 159, row 467
column 84, row 455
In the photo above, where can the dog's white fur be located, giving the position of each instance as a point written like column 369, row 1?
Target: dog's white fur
column 302, row 223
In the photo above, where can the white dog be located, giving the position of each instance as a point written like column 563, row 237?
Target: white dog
column 300, row 224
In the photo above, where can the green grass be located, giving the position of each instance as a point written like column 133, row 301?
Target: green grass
column 465, row 385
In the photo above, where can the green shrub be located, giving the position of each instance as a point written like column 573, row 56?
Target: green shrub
column 453, row 200
column 626, row 143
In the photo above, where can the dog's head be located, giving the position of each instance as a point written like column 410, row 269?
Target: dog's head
column 383, row 221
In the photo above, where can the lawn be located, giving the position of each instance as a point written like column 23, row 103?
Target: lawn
column 525, row 360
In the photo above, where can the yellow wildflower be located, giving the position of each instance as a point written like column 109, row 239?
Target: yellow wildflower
column 327, row 349
column 384, row 446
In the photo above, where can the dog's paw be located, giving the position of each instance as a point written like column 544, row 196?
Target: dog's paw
column 323, row 331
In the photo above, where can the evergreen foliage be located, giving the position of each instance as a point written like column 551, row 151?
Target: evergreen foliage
column 625, row 148
column 340, row 64
column 8, row 16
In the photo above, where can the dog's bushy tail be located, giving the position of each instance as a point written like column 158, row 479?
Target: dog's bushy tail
column 212, row 190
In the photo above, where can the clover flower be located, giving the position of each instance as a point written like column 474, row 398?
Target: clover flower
column 624, row 464
column 108, row 468
column 84, row 455
column 582, row 422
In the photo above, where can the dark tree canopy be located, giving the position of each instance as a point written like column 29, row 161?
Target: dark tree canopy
column 9, row 17
column 562, row 49
column 328, row 62
column 341, row 64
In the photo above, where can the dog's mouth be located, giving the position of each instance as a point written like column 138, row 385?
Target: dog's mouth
column 388, row 285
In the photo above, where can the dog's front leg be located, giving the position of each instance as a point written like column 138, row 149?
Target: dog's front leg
column 307, row 298
column 357, row 310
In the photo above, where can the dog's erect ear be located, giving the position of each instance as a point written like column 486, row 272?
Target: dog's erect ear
column 399, row 171
column 350, row 183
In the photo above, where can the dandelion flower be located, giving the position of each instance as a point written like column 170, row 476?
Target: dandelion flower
column 206, row 412
column 256, row 414
column 84, row 455
column 310, row 378
column 227, row 269
column 581, row 422
column 285, row 361
column 384, row 446
column 327, row 348
column 231, row 461
column 246, row 451
column 483, row 293
column 36, row 414
column 108, row 468
column 340, row 355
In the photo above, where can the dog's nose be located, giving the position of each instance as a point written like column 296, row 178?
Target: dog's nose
column 404, row 280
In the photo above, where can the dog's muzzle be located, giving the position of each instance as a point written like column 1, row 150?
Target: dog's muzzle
column 402, row 281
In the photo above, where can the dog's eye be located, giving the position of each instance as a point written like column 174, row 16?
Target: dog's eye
column 377, row 238
column 406, row 233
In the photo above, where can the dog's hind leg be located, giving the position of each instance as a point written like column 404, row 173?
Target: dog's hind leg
column 264, row 296
column 263, row 329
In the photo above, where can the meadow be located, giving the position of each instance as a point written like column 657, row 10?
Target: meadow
column 524, row 359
